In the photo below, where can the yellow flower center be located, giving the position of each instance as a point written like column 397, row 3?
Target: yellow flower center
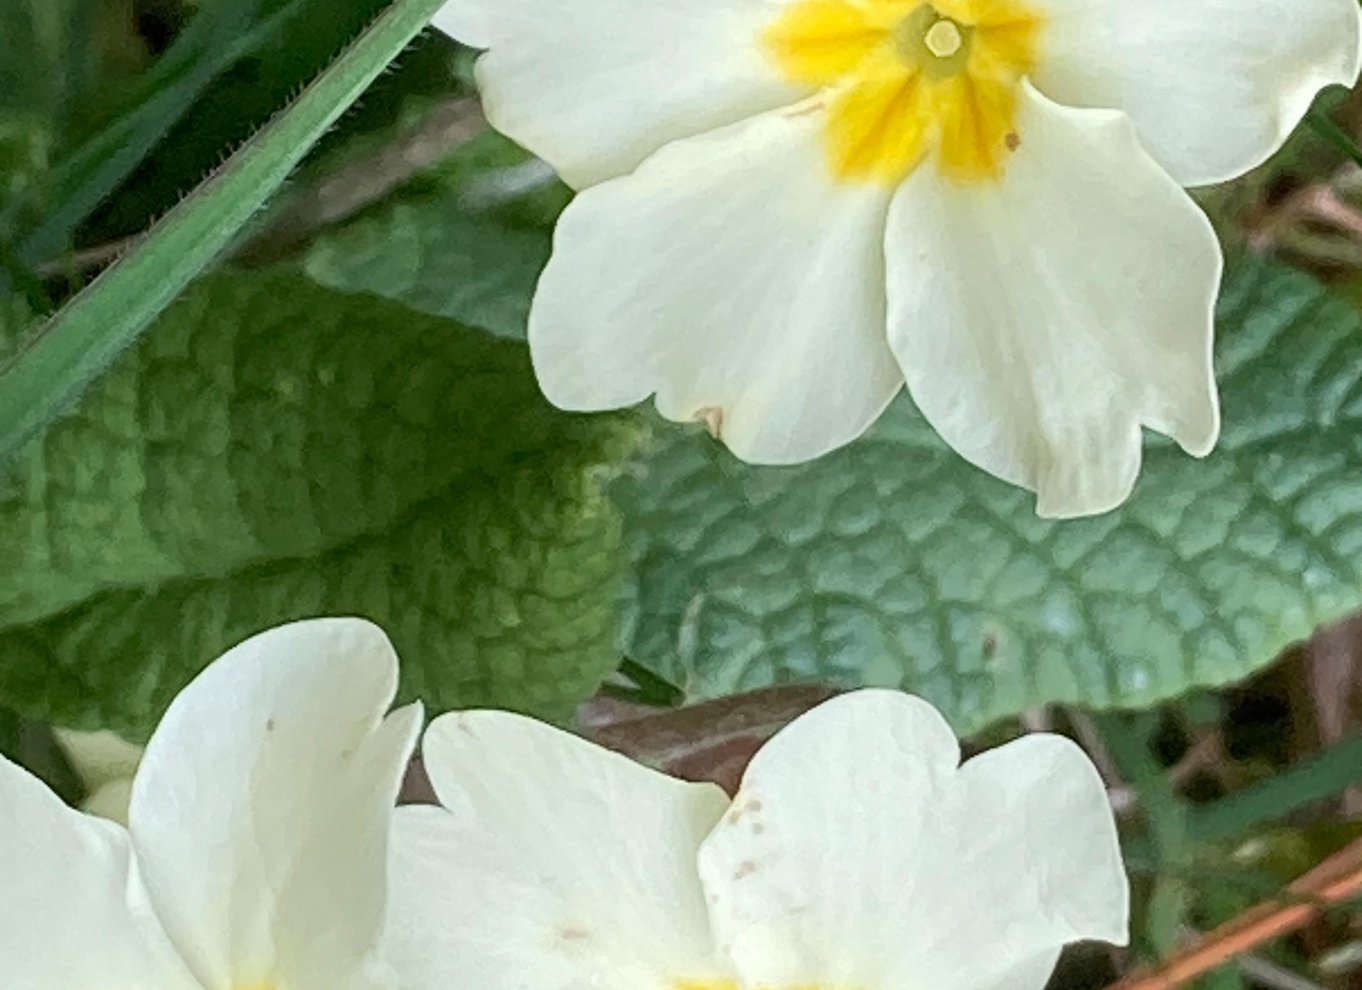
column 907, row 79
column 943, row 39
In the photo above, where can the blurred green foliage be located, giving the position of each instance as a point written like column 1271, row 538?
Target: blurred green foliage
column 343, row 418
column 272, row 450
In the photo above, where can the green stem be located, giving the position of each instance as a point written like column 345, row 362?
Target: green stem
column 650, row 689
column 1167, row 817
column 81, row 340
column 84, row 179
column 1327, row 128
column 1314, row 779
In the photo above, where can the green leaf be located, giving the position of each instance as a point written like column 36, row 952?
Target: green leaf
column 238, row 62
column 466, row 241
column 218, row 37
column 894, row 562
column 48, row 59
column 35, row 748
column 84, row 337
column 39, row 39
column 11, row 729
column 1314, row 778
column 273, row 450
column 439, row 258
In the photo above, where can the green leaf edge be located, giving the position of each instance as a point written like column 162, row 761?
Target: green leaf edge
column 72, row 348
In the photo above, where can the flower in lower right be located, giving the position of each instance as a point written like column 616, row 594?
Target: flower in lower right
column 858, row 854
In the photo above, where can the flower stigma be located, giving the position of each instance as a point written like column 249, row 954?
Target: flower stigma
column 943, row 39
column 906, row 80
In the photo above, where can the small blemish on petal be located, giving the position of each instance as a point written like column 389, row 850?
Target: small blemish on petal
column 758, row 828
column 713, row 419
column 745, row 869
column 742, row 806
column 269, row 725
column 1013, row 140
column 573, row 933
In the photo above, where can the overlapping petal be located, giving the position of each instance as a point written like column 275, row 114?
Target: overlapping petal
column 857, row 853
column 1214, row 86
column 737, row 280
column 261, row 811
column 73, row 913
column 1042, row 321
column 709, row 277
column 554, row 864
column 596, row 86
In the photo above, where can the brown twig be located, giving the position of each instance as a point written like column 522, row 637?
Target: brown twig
column 89, row 259
column 1337, row 879
column 1318, row 222
column 712, row 740
column 332, row 199
column 362, row 183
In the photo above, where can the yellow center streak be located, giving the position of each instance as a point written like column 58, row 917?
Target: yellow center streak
column 910, row 80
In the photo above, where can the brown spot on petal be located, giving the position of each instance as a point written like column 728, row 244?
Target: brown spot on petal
column 573, row 933
column 1013, row 140
column 745, row 869
column 713, row 418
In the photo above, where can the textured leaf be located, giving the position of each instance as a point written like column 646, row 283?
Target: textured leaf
column 272, row 450
column 439, row 258
column 467, row 241
column 893, row 562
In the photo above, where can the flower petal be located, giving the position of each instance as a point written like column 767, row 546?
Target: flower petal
column 820, row 41
column 595, row 86
column 72, row 914
column 261, row 810
column 1214, row 86
column 734, row 277
column 857, row 854
column 1042, row 320
column 556, row 865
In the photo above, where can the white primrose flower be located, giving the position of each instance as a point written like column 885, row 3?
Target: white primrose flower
column 256, row 852
column 791, row 207
column 858, row 854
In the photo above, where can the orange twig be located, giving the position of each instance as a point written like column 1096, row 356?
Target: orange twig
column 1336, row 879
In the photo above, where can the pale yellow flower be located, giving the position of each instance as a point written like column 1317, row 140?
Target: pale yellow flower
column 859, row 854
column 790, row 208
